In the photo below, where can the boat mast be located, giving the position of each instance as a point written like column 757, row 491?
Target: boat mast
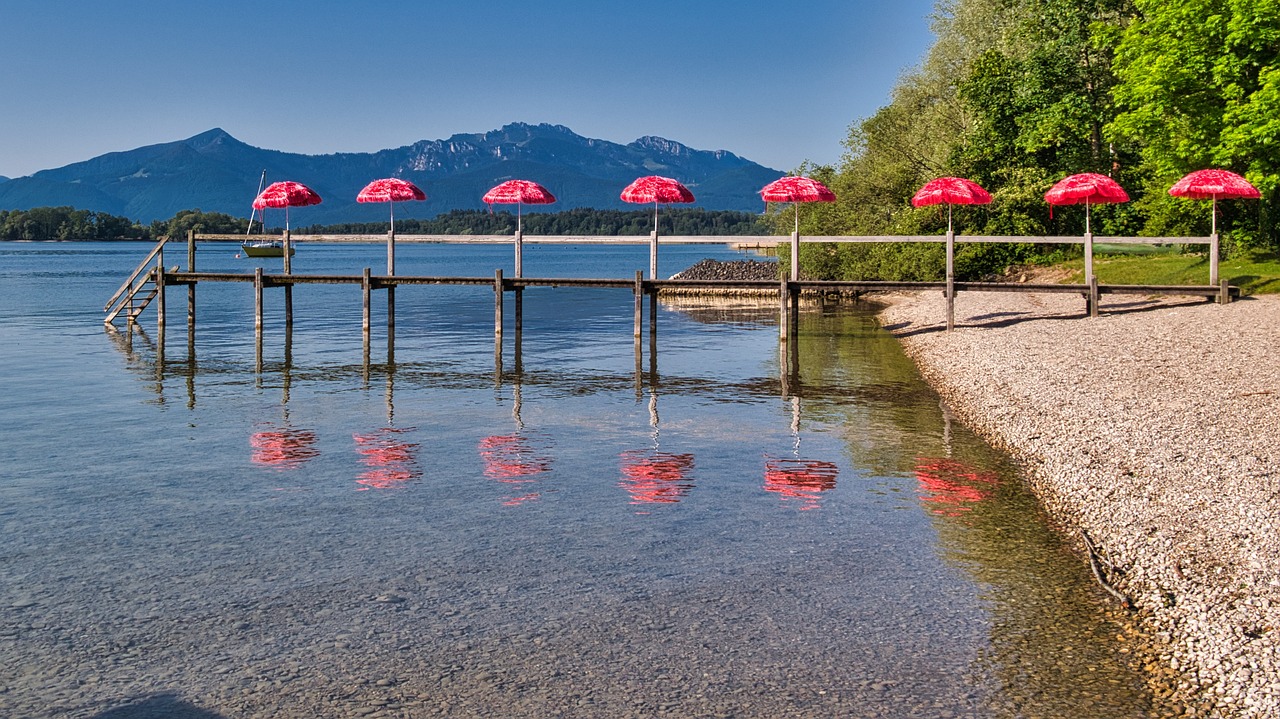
column 261, row 183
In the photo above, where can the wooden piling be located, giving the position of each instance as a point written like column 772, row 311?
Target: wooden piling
column 497, row 307
column 160, row 313
column 391, row 311
column 518, row 298
column 366, row 288
column 257, row 317
column 638, row 296
column 784, row 314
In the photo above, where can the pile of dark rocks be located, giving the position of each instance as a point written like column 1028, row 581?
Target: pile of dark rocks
column 734, row 270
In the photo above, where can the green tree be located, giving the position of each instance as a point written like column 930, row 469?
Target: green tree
column 1199, row 86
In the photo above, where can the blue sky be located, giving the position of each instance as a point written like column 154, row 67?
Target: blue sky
column 776, row 82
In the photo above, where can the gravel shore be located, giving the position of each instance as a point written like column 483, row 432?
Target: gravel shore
column 1155, row 428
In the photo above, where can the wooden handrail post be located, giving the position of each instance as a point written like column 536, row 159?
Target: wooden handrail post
column 795, row 256
column 1213, row 258
column 288, row 246
column 391, row 251
column 160, row 306
column 191, row 250
column 951, row 280
column 1088, row 255
column 653, row 255
column 519, row 253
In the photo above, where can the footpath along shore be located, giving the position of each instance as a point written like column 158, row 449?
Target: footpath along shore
column 1155, row 429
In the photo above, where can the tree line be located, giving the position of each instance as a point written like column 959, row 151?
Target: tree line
column 1016, row 96
column 68, row 223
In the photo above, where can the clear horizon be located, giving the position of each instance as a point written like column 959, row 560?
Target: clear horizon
column 777, row 87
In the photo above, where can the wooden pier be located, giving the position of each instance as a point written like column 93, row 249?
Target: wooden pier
column 151, row 279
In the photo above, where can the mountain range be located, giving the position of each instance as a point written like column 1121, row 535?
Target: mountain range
column 215, row 172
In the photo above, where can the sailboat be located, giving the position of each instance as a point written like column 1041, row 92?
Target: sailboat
column 262, row 247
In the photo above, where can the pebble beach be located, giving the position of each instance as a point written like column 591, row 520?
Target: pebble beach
column 1154, row 431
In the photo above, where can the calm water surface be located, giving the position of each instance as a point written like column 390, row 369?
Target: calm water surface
column 730, row 531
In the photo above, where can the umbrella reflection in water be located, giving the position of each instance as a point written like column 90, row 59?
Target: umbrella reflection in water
column 392, row 462
column 803, row 479
column 285, row 448
column 951, row 486
column 514, row 459
column 797, row 478
column 654, row 477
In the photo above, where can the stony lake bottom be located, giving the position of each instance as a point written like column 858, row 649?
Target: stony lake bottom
column 719, row 534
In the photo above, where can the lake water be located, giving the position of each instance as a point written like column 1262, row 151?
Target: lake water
column 430, row 536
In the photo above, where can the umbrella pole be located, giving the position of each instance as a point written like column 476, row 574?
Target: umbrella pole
column 519, row 243
column 391, row 241
column 949, row 218
column 653, row 245
column 795, row 246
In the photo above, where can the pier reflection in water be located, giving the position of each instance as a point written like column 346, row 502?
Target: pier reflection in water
column 432, row 596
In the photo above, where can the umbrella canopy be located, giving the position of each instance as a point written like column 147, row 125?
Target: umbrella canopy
column 1212, row 184
column 1088, row 188
column 796, row 190
column 519, row 193
column 656, row 189
column 286, row 194
column 391, row 189
column 952, row 191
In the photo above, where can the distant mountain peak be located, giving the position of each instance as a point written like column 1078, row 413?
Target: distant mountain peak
column 662, row 145
column 216, row 136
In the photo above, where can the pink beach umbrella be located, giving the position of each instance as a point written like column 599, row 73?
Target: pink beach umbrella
column 519, row 193
column 1212, row 184
column 655, row 189
column 953, row 191
column 286, row 194
column 796, row 190
column 1088, row 188
column 391, row 190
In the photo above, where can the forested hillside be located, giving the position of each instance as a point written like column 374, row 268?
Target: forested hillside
column 1018, row 95
column 68, row 223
